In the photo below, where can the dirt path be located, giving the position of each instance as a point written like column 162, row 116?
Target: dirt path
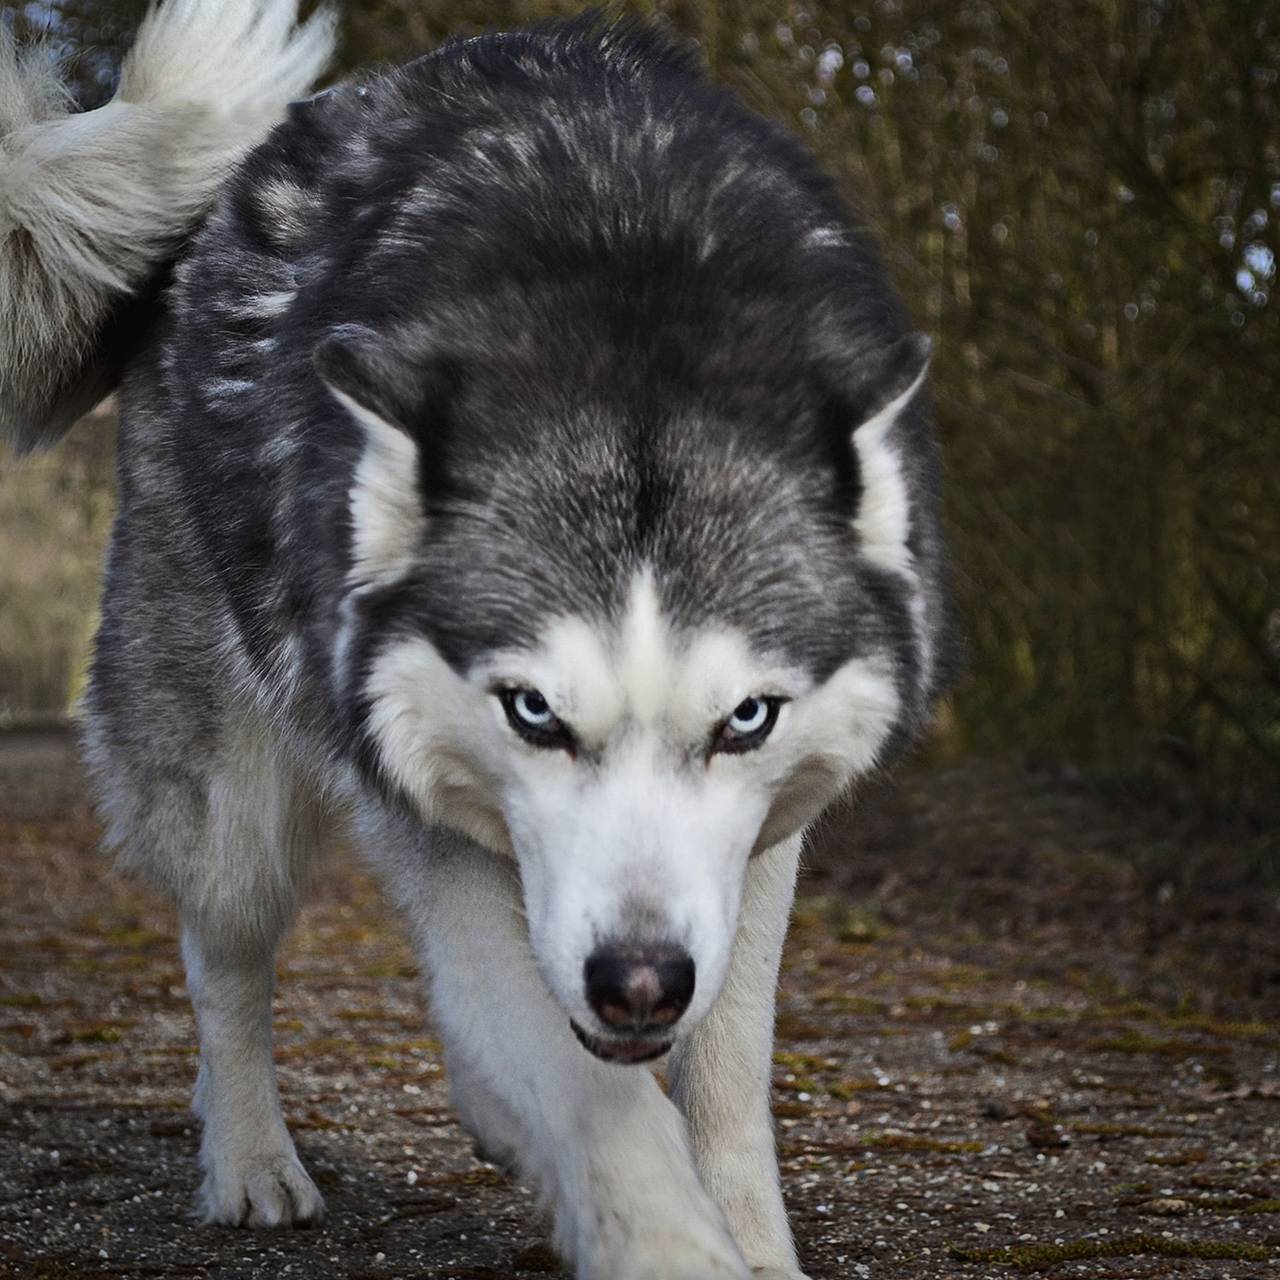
column 1022, row 1030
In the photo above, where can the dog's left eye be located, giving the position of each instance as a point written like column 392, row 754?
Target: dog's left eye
column 530, row 715
column 750, row 724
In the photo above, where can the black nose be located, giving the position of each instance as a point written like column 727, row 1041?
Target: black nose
column 639, row 987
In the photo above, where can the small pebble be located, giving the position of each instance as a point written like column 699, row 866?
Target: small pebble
column 1165, row 1208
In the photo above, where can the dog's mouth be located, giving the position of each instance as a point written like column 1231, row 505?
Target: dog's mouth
column 623, row 1052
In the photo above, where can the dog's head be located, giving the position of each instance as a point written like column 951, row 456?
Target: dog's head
column 632, row 637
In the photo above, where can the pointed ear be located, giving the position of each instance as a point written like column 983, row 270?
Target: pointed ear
column 388, row 518
column 365, row 377
column 878, row 394
column 886, row 382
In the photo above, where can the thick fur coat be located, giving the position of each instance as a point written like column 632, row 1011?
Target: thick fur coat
column 525, row 459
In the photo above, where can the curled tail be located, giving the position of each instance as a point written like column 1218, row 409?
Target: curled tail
column 92, row 205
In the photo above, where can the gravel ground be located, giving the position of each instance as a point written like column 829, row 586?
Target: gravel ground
column 1024, row 1028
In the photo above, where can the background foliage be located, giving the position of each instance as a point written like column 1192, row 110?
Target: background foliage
column 1080, row 201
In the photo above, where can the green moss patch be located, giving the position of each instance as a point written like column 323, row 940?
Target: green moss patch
column 1188, row 1020
column 22, row 1000
column 1178, row 1159
column 803, row 1063
column 921, row 1142
column 1263, row 1206
column 1137, row 1042
column 104, row 1031
column 844, row 1002
column 1039, row 1257
column 1122, row 1130
column 800, row 1084
column 847, row 1089
column 789, row 1027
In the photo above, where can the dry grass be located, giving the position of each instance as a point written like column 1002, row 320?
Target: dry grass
column 55, row 514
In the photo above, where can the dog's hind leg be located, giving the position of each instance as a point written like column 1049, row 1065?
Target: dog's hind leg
column 606, row 1147
column 720, row 1074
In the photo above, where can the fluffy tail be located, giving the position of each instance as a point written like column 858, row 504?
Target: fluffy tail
column 93, row 204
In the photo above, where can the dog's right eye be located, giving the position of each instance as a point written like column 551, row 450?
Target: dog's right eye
column 750, row 724
column 530, row 715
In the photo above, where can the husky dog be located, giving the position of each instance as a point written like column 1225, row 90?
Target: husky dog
column 524, row 459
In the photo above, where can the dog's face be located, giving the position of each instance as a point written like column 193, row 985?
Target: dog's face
column 630, row 712
column 632, row 770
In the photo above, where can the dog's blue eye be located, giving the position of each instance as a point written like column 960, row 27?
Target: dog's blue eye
column 532, row 708
column 530, row 715
column 750, row 724
column 749, row 715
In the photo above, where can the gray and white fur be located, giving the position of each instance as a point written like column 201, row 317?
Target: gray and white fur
column 525, row 463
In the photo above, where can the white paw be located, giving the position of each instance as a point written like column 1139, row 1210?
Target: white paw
column 262, row 1189
column 777, row 1273
column 662, row 1258
column 499, row 1137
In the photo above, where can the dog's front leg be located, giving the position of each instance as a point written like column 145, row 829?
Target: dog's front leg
column 720, row 1074
column 252, row 1173
column 608, row 1149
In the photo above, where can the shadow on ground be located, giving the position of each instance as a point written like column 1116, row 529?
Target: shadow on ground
column 1025, row 1028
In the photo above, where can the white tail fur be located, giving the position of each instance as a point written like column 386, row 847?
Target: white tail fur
column 91, row 204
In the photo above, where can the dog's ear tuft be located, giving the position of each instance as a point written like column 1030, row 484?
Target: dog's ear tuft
column 388, row 517
column 887, row 381
column 365, row 378
column 872, row 396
